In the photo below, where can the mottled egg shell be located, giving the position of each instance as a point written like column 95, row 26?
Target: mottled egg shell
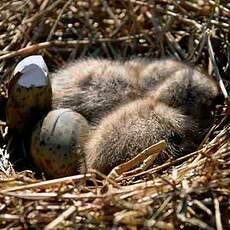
column 29, row 94
column 57, row 143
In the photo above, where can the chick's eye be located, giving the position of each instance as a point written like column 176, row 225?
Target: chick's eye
column 176, row 138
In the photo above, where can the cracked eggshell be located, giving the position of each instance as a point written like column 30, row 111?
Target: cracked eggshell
column 30, row 94
column 57, row 143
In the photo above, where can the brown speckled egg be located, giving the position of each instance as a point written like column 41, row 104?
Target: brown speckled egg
column 57, row 143
column 29, row 94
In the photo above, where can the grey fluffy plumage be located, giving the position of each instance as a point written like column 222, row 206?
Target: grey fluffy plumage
column 93, row 87
column 134, row 104
column 155, row 72
column 135, row 126
column 189, row 91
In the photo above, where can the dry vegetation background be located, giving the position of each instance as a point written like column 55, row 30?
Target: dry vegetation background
column 188, row 193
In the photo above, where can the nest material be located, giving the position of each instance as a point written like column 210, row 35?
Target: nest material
column 192, row 192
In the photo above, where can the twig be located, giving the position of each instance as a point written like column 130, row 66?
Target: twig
column 57, row 20
column 60, row 218
column 161, row 167
column 217, row 214
column 36, row 47
column 47, row 183
column 177, row 47
column 153, row 150
column 43, row 11
column 110, row 12
column 216, row 70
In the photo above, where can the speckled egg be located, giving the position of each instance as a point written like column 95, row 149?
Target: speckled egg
column 29, row 94
column 57, row 143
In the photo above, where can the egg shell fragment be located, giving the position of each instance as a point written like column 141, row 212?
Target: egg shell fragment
column 30, row 96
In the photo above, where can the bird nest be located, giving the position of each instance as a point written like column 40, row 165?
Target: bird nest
column 189, row 192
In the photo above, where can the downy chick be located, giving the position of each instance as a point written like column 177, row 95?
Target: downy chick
column 190, row 91
column 135, row 126
column 154, row 72
column 93, row 87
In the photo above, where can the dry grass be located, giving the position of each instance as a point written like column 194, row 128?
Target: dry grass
column 190, row 193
